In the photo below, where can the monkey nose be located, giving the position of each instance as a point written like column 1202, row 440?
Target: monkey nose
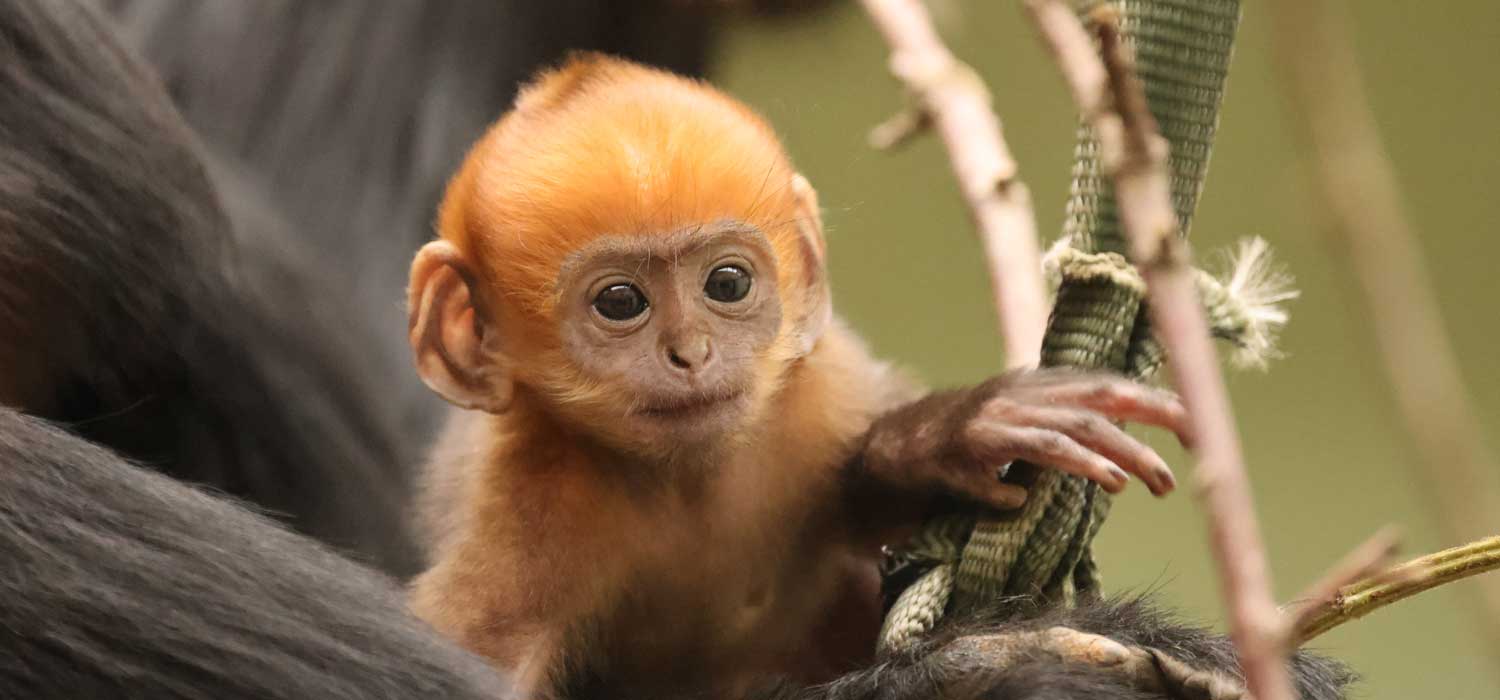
column 690, row 354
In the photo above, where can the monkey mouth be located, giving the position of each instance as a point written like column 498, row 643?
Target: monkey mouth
column 692, row 405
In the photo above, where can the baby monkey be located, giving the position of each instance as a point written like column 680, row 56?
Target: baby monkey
column 676, row 469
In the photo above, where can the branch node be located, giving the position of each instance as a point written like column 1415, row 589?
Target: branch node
column 900, row 129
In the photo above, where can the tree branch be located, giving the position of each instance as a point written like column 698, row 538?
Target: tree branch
column 952, row 99
column 1136, row 156
column 1418, row 575
column 1370, row 230
column 1364, row 563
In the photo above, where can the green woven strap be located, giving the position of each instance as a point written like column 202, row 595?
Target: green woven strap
column 1182, row 50
column 1043, row 550
column 933, row 553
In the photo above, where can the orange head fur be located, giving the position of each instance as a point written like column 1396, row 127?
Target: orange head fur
column 604, row 147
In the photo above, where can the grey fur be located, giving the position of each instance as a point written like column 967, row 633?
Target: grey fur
column 147, row 318
column 122, row 583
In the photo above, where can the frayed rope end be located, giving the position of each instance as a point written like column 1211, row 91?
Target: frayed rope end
column 1247, row 303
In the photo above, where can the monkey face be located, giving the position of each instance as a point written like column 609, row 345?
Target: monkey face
column 630, row 249
column 674, row 328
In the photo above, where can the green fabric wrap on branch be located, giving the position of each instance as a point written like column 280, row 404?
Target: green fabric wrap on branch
column 1042, row 551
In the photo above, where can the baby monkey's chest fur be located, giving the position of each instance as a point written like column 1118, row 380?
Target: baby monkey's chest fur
column 691, row 579
column 705, row 572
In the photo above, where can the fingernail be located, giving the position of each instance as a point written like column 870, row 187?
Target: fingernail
column 1008, row 497
column 1169, row 480
column 1119, row 475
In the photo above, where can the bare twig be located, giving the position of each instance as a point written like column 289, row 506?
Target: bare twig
column 1136, row 156
column 951, row 98
column 1418, row 575
column 1364, row 562
column 1372, row 232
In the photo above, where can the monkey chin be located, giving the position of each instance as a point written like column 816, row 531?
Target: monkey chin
column 692, row 421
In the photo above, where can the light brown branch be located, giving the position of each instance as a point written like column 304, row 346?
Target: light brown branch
column 1370, row 230
column 1136, row 157
column 1418, row 575
column 951, row 98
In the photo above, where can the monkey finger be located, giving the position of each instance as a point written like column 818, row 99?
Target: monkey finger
column 993, row 442
column 984, row 486
column 1119, row 399
column 1097, row 433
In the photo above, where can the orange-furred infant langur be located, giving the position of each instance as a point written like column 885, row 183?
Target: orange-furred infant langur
column 676, row 468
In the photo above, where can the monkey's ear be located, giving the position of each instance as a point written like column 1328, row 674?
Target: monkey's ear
column 455, row 345
column 818, row 307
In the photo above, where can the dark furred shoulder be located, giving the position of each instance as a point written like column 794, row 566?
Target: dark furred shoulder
column 124, row 583
column 150, row 306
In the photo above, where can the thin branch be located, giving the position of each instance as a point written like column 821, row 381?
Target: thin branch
column 951, row 98
column 1136, row 156
column 1372, row 232
column 1363, row 563
column 1418, row 575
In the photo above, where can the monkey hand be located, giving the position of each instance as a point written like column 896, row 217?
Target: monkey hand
column 960, row 443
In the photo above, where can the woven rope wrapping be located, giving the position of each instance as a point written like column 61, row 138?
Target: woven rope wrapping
column 1035, row 549
column 1043, row 550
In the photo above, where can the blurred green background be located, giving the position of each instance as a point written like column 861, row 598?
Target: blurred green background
column 1328, row 458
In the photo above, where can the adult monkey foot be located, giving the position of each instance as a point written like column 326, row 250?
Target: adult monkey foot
column 1143, row 668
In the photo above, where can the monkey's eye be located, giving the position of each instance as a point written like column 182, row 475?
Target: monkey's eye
column 728, row 283
column 620, row 302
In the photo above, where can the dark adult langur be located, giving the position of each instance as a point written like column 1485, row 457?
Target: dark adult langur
column 143, row 314
column 119, row 582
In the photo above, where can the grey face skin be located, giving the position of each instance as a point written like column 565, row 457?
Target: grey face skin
column 677, row 319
